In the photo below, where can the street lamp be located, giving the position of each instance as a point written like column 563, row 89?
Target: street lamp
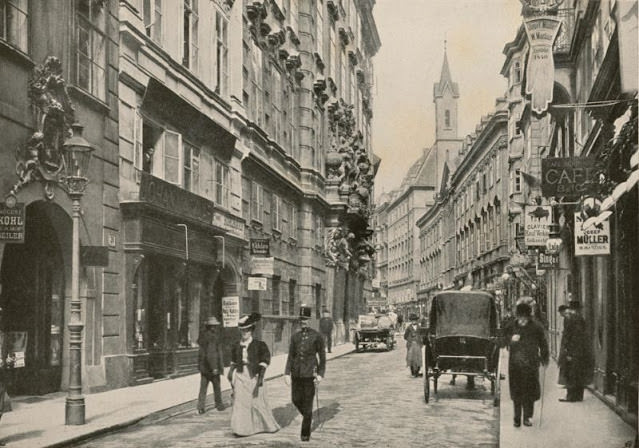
column 76, row 153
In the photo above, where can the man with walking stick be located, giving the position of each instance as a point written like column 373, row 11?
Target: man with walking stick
column 305, row 367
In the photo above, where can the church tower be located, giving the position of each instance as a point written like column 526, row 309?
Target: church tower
column 445, row 95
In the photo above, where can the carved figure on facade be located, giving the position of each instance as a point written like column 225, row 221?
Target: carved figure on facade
column 41, row 158
column 338, row 247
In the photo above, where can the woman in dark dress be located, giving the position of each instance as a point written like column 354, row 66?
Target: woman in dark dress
column 528, row 346
column 249, row 360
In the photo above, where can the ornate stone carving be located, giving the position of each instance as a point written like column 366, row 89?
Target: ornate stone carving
column 41, row 158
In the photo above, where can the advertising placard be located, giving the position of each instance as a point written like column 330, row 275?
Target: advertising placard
column 592, row 241
column 537, row 224
column 547, row 260
column 262, row 266
column 257, row 284
column 12, row 223
column 230, row 310
column 260, row 247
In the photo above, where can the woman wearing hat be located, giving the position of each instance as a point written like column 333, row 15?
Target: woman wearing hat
column 249, row 360
column 414, row 345
column 527, row 344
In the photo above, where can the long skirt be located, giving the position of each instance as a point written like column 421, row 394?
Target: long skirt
column 414, row 355
column 250, row 415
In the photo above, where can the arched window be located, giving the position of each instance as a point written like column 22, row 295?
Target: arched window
column 447, row 118
column 516, row 72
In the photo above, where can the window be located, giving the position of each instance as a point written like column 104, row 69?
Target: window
column 517, row 184
column 447, row 118
column 291, row 297
column 190, row 50
column 257, row 202
column 516, row 72
column 319, row 35
column 153, row 19
column 292, row 221
column 276, row 296
column 91, row 44
column 191, row 168
column 14, row 23
column 284, row 218
column 221, row 53
column 277, row 104
column 275, row 212
column 172, row 152
column 222, row 191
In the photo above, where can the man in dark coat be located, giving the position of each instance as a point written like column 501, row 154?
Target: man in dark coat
column 305, row 368
column 575, row 366
column 527, row 344
column 326, row 329
column 210, row 364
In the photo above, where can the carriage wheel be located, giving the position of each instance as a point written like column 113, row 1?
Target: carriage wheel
column 435, row 384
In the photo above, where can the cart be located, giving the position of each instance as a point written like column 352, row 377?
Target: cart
column 370, row 334
column 462, row 339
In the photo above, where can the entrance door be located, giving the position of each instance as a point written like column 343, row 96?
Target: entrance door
column 32, row 298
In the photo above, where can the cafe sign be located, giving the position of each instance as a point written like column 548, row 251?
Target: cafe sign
column 571, row 176
column 594, row 240
column 12, row 222
column 537, row 225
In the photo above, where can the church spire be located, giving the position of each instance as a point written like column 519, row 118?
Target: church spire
column 445, row 79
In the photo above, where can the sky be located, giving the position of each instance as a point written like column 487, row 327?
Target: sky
column 410, row 60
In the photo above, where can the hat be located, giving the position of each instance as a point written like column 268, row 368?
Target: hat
column 523, row 309
column 305, row 312
column 413, row 316
column 562, row 308
column 248, row 320
column 574, row 304
column 212, row 321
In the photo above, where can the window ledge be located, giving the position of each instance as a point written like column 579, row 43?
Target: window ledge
column 94, row 102
column 14, row 52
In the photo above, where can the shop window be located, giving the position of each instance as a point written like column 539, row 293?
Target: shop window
column 190, row 42
column 91, row 44
column 14, row 23
column 152, row 12
column 221, row 53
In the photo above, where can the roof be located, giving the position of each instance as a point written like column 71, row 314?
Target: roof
column 445, row 81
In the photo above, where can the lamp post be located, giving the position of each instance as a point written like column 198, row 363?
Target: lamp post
column 76, row 152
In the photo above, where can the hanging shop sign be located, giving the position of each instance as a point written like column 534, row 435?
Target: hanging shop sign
column 547, row 260
column 594, row 240
column 540, row 71
column 260, row 247
column 542, row 6
column 537, row 222
column 571, row 176
column 12, row 222
column 257, row 284
column 263, row 266
column 230, row 311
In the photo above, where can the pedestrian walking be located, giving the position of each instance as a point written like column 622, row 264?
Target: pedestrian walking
column 414, row 346
column 575, row 359
column 326, row 329
column 400, row 322
column 249, row 359
column 210, row 364
column 305, row 368
column 527, row 344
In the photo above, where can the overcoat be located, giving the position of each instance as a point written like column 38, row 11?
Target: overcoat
column 414, row 346
column 306, row 355
column 528, row 347
column 575, row 357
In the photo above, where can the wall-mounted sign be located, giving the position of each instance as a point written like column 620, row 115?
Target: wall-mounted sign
column 230, row 311
column 263, row 266
column 537, row 224
column 540, row 71
column 260, row 247
column 547, row 261
column 592, row 241
column 257, row 284
column 571, row 176
column 12, row 222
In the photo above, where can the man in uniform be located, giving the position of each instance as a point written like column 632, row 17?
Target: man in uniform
column 305, row 368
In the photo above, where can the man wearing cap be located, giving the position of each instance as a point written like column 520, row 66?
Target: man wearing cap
column 210, row 364
column 574, row 356
column 326, row 329
column 305, row 367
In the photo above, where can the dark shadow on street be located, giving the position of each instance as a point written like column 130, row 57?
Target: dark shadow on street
column 324, row 414
column 285, row 415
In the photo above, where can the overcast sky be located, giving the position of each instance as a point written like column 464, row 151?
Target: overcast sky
column 410, row 61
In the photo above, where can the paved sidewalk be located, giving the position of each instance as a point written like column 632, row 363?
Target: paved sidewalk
column 39, row 421
column 586, row 424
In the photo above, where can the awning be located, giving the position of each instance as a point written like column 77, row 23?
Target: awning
column 165, row 104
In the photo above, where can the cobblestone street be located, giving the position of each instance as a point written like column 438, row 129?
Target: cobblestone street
column 367, row 399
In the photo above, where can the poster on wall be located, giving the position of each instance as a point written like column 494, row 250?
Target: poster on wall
column 230, row 310
column 592, row 241
column 537, row 225
column 16, row 348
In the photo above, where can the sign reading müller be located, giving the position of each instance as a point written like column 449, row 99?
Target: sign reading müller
column 592, row 241
column 540, row 72
column 12, row 223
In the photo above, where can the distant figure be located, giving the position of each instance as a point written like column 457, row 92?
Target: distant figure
column 528, row 346
column 210, row 364
column 414, row 346
column 575, row 363
column 249, row 360
column 326, row 330
column 5, row 364
column 393, row 317
column 305, row 367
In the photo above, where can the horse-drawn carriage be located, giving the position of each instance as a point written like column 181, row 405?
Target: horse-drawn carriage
column 462, row 339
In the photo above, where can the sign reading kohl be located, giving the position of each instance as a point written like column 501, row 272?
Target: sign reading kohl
column 12, row 223
column 592, row 241
column 537, row 225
